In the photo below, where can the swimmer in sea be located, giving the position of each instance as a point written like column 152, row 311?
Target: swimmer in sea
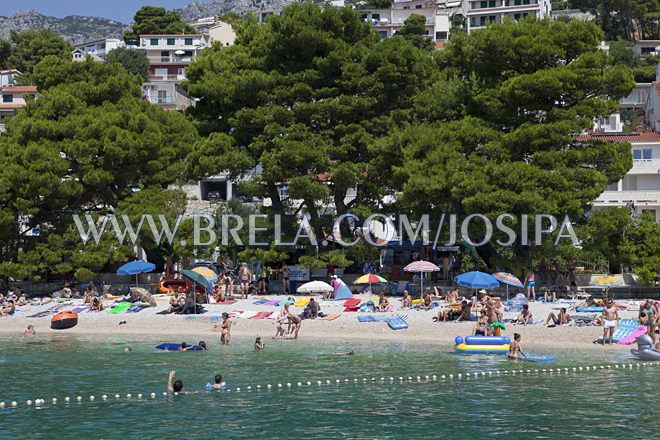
column 348, row 353
column 259, row 344
column 184, row 347
column 515, row 349
column 29, row 332
column 176, row 387
column 127, row 349
column 219, row 384
column 202, row 345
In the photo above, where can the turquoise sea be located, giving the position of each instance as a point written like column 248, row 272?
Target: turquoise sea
column 621, row 403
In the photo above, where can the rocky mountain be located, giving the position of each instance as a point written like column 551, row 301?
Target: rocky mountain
column 199, row 9
column 75, row 29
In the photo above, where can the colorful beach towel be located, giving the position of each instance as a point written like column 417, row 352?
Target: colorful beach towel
column 301, row 302
column 270, row 302
column 260, row 302
column 330, row 317
column 262, row 315
column 45, row 313
column 247, row 314
column 120, row 307
column 80, row 309
column 227, row 302
column 285, row 302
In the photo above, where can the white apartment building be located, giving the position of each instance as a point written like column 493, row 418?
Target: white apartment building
column 168, row 56
column 96, row 48
column 13, row 98
column 481, row 13
column 652, row 108
column 387, row 22
column 214, row 30
column 641, row 185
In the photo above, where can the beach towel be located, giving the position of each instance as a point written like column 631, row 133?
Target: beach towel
column 235, row 313
column 247, row 314
column 330, row 317
column 259, row 302
column 351, row 302
column 285, row 302
column 301, row 302
column 120, row 307
column 262, row 315
column 80, row 309
column 270, row 302
column 44, row 313
column 136, row 308
column 227, row 302
column 397, row 323
column 373, row 318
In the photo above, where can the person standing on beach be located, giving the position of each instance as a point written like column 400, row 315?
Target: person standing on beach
column 226, row 329
column 529, row 284
column 610, row 321
column 294, row 325
column 286, row 283
column 244, row 277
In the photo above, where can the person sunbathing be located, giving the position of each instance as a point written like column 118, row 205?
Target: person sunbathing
column 452, row 297
column 407, row 300
column 562, row 318
column 383, row 303
column 549, row 297
column 427, row 303
column 525, row 316
column 464, row 314
column 8, row 309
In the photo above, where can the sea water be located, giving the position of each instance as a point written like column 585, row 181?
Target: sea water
column 608, row 403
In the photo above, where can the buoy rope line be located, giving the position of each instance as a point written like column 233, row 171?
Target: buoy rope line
column 337, row 382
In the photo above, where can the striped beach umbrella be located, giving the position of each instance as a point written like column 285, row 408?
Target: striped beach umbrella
column 509, row 280
column 370, row 279
column 421, row 267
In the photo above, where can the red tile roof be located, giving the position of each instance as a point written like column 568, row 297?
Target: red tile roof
column 11, row 106
column 620, row 137
column 171, row 35
column 19, row 89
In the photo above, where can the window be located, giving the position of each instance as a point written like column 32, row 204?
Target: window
column 441, row 36
column 153, row 41
column 375, row 17
column 516, row 17
column 492, row 4
column 483, row 5
column 170, row 41
column 181, row 72
column 8, row 98
column 482, row 21
column 418, row 6
column 383, row 34
column 77, row 56
column 188, row 41
column 491, row 19
column 162, row 97
column 644, row 154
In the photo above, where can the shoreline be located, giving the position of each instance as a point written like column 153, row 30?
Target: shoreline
column 421, row 329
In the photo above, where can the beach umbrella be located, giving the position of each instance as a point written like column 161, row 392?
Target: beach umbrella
column 476, row 280
column 197, row 279
column 369, row 279
column 139, row 292
column 207, row 273
column 315, row 287
column 606, row 282
column 509, row 280
column 136, row 267
column 421, row 266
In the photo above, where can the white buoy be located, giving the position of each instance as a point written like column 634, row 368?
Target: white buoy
column 434, row 377
column 451, row 376
column 249, row 388
column 139, row 396
column 152, row 395
column 2, row 404
column 490, row 373
column 288, row 384
column 29, row 402
column 319, row 383
column 14, row 404
column 467, row 374
column 354, row 380
column 165, row 394
column 238, row 390
column 400, row 378
column 66, row 399
column 391, row 378
column 327, row 381
column 364, row 379
column 91, row 398
column 337, row 381
column 54, row 401
column 345, row 380
column 117, row 396
column 258, row 387
column 128, row 396
column 459, row 375
column 104, row 397
column 37, row 402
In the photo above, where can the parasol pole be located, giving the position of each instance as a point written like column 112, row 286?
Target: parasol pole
column 421, row 284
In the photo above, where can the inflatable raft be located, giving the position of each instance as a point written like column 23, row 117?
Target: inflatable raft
column 482, row 344
column 645, row 349
column 64, row 320
column 175, row 347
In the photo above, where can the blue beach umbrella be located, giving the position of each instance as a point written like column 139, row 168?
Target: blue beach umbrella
column 476, row 280
column 136, row 267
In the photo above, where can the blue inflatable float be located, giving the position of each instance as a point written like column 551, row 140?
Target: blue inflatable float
column 175, row 347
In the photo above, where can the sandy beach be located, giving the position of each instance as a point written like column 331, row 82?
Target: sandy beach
column 421, row 328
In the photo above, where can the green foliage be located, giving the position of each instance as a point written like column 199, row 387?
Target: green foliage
column 336, row 257
column 642, row 250
column 81, row 147
column 414, row 30
column 379, row 4
column 604, row 232
column 134, row 61
column 644, row 70
column 305, row 95
column 621, row 52
column 5, row 51
column 28, row 48
column 626, row 19
column 528, row 88
column 155, row 20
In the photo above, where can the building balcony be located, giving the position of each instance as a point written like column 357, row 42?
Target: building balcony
column 183, row 60
column 157, row 78
column 3, row 128
column 502, row 7
column 645, row 166
column 620, row 198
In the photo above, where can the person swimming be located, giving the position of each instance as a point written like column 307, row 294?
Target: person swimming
column 258, row 344
column 348, row 353
column 202, row 345
column 176, row 387
column 184, row 347
column 127, row 349
column 219, row 384
column 30, row 331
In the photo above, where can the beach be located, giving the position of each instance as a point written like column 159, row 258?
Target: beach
column 422, row 328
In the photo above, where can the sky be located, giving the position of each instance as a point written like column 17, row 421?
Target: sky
column 120, row 10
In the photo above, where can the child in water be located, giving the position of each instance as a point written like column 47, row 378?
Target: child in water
column 219, row 384
column 515, row 349
column 258, row 344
